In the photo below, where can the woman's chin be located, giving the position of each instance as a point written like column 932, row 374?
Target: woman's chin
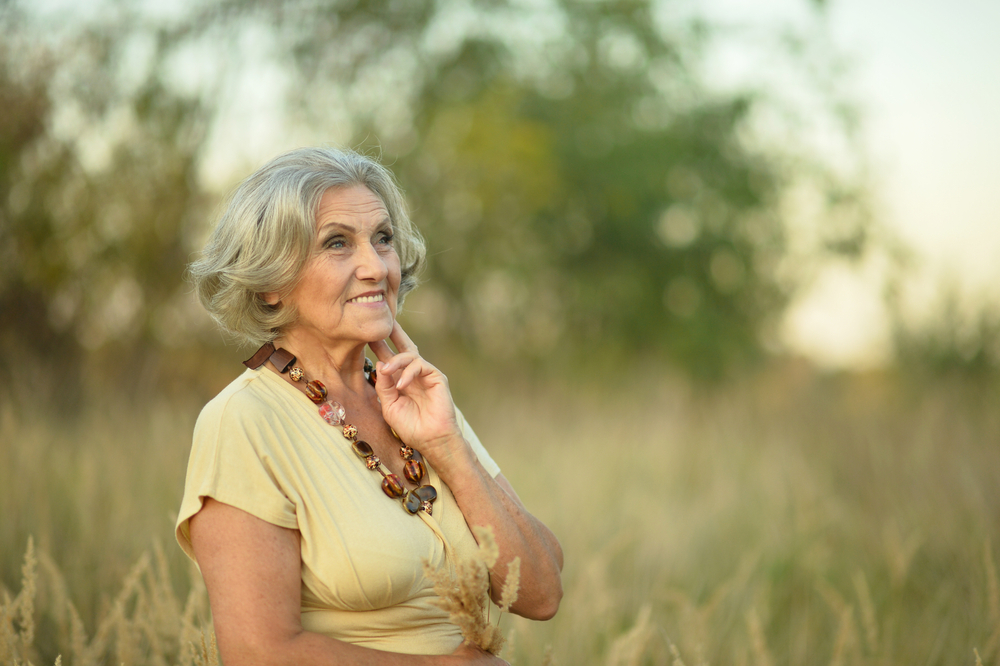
column 380, row 331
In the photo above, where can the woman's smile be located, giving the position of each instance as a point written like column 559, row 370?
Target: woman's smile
column 368, row 298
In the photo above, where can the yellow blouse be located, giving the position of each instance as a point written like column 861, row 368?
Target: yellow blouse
column 261, row 446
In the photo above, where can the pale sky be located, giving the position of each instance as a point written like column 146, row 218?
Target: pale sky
column 927, row 76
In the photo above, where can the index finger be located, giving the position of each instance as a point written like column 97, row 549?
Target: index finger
column 381, row 350
column 401, row 339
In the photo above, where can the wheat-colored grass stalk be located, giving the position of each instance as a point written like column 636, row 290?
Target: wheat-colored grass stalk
column 463, row 591
column 16, row 643
column 844, row 611
column 675, row 653
column 209, row 653
column 992, row 585
column 29, row 588
column 7, row 635
column 111, row 621
column 628, row 649
column 992, row 599
column 696, row 619
column 758, row 642
column 77, row 633
column 867, row 608
column 511, row 585
column 900, row 553
column 142, row 626
column 846, row 637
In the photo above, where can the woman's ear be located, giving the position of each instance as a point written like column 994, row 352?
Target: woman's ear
column 271, row 298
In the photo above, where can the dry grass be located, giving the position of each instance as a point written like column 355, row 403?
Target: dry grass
column 463, row 588
column 794, row 520
column 145, row 623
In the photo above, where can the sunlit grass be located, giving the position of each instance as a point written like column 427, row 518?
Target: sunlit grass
column 788, row 520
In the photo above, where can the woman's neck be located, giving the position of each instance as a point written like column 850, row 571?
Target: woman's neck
column 340, row 367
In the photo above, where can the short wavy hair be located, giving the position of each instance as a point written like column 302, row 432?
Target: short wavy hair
column 265, row 234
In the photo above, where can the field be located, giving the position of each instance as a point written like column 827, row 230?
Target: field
column 792, row 518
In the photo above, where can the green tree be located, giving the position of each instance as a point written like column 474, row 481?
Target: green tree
column 584, row 193
column 97, row 192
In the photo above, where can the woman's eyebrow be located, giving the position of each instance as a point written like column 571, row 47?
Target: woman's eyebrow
column 337, row 225
column 350, row 228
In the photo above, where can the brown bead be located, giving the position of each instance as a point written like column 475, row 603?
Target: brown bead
column 295, row 374
column 413, row 470
column 316, row 391
column 350, row 431
column 412, row 502
column 405, row 452
column 426, row 493
column 391, row 486
column 372, row 462
column 362, row 448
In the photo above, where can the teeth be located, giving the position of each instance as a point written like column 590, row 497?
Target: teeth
column 368, row 299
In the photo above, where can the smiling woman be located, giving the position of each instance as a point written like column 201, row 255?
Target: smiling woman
column 306, row 559
column 267, row 234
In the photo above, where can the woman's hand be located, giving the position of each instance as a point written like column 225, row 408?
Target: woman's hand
column 416, row 402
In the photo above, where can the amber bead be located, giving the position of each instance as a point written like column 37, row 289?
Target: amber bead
column 412, row 503
column 413, row 470
column 426, row 493
column 372, row 462
column 350, row 431
column 363, row 448
column 316, row 391
column 295, row 374
column 391, row 486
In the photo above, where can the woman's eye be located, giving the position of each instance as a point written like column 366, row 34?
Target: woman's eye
column 385, row 239
column 336, row 243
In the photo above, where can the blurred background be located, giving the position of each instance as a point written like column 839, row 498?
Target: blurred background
column 729, row 267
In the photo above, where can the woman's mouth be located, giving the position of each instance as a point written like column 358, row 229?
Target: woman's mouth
column 375, row 298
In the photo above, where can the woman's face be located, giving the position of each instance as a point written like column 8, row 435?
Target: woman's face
column 349, row 285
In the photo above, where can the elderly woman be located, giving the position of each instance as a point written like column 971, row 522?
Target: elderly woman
column 318, row 484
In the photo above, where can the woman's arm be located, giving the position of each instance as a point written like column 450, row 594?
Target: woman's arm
column 252, row 570
column 488, row 501
column 416, row 402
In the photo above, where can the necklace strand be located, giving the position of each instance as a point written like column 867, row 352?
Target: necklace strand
column 420, row 498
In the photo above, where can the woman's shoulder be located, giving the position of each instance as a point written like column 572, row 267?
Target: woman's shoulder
column 245, row 398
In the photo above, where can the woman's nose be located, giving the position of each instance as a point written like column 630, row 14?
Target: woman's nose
column 371, row 265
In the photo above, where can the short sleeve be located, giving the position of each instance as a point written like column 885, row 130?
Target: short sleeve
column 484, row 457
column 231, row 461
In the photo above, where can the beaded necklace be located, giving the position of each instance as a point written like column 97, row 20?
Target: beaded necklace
column 420, row 498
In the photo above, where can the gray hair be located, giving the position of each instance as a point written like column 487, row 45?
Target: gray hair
column 265, row 234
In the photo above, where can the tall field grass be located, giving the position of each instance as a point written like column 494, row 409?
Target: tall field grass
column 788, row 519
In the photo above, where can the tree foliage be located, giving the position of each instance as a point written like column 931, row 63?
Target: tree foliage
column 584, row 193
